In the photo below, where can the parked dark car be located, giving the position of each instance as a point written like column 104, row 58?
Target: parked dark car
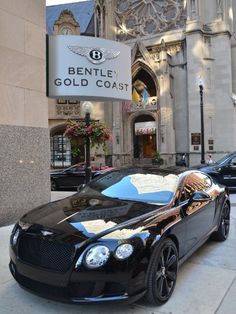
column 70, row 178
column 121, row 237
column 223, row 170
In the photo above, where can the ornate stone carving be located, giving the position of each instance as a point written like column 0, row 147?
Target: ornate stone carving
column 219, row 10
column 171, row 49
column 67, row 110
column 152, row 104
column 66, row 24
column 148, row 17
column 66, row 16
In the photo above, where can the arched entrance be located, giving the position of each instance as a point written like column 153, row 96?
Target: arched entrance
column 145, row 138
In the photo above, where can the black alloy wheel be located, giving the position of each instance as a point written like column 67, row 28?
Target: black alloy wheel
column 223, row 230
column 53, row 185
column 162, row 273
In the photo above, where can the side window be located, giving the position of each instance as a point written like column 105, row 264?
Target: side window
column 195, row 182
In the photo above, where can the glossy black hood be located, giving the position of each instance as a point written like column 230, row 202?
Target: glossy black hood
column 90, row 216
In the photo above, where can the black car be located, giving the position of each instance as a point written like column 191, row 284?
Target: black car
column 70, row 178
column 121, row 237
column 223, row 170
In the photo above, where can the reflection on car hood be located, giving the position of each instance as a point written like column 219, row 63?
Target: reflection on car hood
column 93, row 216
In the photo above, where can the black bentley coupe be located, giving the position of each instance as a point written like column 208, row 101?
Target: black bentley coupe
column 121, row 237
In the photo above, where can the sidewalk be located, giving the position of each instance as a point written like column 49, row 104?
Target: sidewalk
column 206, row 284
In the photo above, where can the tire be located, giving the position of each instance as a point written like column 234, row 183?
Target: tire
column 162, row 273
column 224, row 224
column 54, row 185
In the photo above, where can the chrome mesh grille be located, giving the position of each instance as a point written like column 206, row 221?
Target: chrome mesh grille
column 45, row 253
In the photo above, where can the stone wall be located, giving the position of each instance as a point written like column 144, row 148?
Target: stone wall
column 24, row 149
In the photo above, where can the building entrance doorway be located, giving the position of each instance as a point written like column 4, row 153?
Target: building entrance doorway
column 145, row 137
column 149, row 145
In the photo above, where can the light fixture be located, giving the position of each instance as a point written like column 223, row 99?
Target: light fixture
column 87, row 108
column 201, row 87
column 124, row 251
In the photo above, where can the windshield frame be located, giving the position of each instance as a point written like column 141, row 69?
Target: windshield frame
column 224, row 159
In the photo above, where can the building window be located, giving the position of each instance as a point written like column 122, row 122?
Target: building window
column 60, row 151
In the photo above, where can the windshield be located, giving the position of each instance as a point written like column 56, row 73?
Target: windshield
column 144, row 187
column 223, row 159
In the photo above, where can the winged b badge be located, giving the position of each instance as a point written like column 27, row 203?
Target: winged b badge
column 95, row 55
column 46, row 233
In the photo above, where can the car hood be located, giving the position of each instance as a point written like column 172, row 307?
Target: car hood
column 88, row 217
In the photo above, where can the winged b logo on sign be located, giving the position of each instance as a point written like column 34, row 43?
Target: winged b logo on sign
column 95, row 55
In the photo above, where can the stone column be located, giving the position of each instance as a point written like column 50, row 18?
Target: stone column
column 110, row 25
column 118, row 137
column 167, row 137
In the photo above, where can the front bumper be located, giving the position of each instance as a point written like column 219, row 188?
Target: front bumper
column 76, row 286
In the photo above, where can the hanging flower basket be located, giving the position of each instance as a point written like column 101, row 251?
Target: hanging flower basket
column 97, row 133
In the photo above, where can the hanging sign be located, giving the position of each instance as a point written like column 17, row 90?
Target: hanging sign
column 88, row 68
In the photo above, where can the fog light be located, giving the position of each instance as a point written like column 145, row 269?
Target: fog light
column 124, row 251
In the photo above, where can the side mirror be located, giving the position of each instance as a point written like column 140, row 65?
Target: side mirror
column 80, row 187
column 200, row 197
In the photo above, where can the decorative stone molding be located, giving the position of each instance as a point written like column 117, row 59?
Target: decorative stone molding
column 151, row 105
column 66, row 19
column 174, row 48
column 148, row 17
column 171, row 49
column 100, row 3
column 67, row 110
column 219, row 9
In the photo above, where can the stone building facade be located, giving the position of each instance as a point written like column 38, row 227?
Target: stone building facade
column 24, row 136
column 174, row 45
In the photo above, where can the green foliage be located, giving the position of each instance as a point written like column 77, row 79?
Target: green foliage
column 157, row 160
column 78, row 132
column 75, row 151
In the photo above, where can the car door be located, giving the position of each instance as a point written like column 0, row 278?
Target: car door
column 199, row 216
column 75, row 177
column 228, row 173
column 72, row 177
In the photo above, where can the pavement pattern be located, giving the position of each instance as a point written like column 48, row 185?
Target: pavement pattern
column 206, row 283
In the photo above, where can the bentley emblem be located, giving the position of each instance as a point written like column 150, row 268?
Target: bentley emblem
column 46, row 233
column 95, row 55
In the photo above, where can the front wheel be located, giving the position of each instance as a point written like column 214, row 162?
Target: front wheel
column 162, row 273
column 223, row 230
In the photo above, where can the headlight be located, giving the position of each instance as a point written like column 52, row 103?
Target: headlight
column 15, row 236
column 97, row 256
column 124, row 251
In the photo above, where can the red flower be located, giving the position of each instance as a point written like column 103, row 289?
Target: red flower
column 97, row 132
